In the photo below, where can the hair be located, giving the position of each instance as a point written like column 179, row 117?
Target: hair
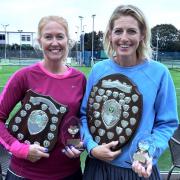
column 60, row 20
column 144, row 49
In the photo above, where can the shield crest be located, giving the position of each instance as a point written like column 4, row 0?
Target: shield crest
column 114, row 109
column 37, row 120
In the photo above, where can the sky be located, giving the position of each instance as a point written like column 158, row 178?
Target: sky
column 25, row 14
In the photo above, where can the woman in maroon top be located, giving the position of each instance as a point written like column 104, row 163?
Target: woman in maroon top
column 50, row 77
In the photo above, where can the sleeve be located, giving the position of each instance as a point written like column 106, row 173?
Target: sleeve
column 10, row 96
column 89, row 143
column 166, row 118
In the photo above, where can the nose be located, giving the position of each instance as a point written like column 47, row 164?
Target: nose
column 54, row 41
column 124, row 35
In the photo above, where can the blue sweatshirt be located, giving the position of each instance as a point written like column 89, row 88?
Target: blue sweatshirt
column 159, row 113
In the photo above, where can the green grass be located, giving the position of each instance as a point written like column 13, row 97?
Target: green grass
column 165, row 160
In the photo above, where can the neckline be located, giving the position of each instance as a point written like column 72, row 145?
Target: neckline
column 137, row 66
column 57, row 76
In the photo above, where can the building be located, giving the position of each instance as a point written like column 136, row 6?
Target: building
column 17, row 37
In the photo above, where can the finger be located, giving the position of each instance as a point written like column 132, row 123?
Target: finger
column 81, row 144
column 140, row 169
column 42, row 154
column 112, row 144
column 143, row 172
column 148, row 171
column 43, row 149
column 113, row 155
column 75, row 151
column 69, row 153
column 116, row 153
column 135, row 166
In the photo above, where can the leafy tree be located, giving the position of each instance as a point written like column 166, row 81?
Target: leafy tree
column 98, row 41
column 167, row 37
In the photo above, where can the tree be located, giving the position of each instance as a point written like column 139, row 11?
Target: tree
column 98, row 41
column 167, row 37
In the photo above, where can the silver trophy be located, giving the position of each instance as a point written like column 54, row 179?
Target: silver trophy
column 145, row 148
column 71, row 133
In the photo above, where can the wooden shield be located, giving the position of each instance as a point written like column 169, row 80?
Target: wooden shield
column 114, row 110
column 37, row 120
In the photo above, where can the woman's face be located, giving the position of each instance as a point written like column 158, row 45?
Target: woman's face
column 125, row 37
column 54, row 41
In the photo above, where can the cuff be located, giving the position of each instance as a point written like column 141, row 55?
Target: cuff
column 19, row 150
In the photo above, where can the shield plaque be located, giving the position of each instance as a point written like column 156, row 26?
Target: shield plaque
column 37, row 120
column 114, row 110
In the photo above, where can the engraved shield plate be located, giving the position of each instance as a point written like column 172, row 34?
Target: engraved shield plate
column 37, row 120
column 114, row 109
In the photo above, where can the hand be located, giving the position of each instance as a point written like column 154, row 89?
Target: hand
column 143, row 170
column 104, row 152
column 73, row 152
column 36, row 152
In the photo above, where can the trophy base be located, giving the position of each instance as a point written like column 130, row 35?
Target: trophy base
column 139, row 157
column 76, row 143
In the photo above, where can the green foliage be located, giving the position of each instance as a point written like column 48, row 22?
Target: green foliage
column 98, row 41
column 167, row 34
column 16, row 47
column 167, row 37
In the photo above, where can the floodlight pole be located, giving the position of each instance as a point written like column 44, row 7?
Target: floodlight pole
column 92, row 56
column 157, row 44
column 76, row 47
column 81, row 18
column 5, row 26
column 20, row 53
column 83, row 32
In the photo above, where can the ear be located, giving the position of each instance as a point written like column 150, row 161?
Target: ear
column 142, row 38
column 110, row 36
column 39, row 41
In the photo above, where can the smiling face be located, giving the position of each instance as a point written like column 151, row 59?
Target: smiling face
column 125, row 38
column 54, row 41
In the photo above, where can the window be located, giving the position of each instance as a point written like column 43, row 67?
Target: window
column 2, row 36
column 25, row 37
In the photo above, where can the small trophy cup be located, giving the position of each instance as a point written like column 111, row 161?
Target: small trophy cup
column 145, row 149
column 142, row 153
column 72, row 133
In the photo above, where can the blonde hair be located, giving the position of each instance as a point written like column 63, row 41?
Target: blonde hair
column 144, row 49
column 60, row 20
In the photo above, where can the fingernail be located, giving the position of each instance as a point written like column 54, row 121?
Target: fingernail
column 46, row 150
column 71, row 146
column 66, row 147
column 63, row 150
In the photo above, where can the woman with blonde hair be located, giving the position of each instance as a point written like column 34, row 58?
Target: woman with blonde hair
column 131, row 97
column 56, row 91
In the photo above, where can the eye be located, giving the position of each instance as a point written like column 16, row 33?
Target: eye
column 60, row 36
column 48, row 37
column 118, row 31
column 131, row 31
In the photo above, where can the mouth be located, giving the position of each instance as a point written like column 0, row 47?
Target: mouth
column 57, row 50
column 124, row 46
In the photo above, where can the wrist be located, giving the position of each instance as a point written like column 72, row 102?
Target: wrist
column 19, row 150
